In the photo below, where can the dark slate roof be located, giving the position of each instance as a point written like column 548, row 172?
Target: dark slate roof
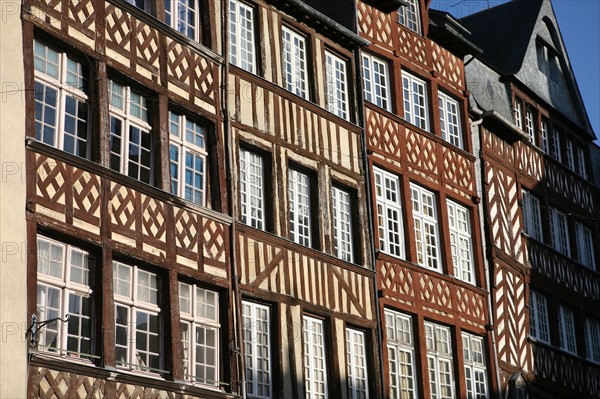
column 503, row 33
column 445, row 30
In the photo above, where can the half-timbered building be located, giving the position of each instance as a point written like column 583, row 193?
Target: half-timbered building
column 428, row 256
column 128, row 221
column 302, row 254
column 541, row 203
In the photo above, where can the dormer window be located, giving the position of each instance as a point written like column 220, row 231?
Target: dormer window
column 409, row 16
column 548, row 62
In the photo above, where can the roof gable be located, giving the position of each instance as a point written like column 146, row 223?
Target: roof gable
column 511, row 36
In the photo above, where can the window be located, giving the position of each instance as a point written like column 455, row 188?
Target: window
column 389, row 213
column 62, row 117
column 187, row 154
column 337, row 86
column 566, row 322
column 548, row 62
column 141, row 4
column 252, row 189
column 182, row 15
column 538, row 314
column 545, row 142
column 294, row 62
column 401, row 355
column 460, row 242
column 518, row 111
column 570, row 161
column 530, row 125
column 585, row 246
column 450, row 119
column 241, row 36
column 415, row 100
column 532, row 216
column 65, row 288
column 439, row 361
column 592, row 339
column 358, row 382
column 408, row 15
column 130, row 133
column 200, row 328
column 560, row 231
column 475, row 369
column 376, row 81
column 581, row 167
column 257, row 344
column 299, row 207
column 426, row 227
column 342, row 224
column 138, row 321
column 315, row 367
column 556, row 148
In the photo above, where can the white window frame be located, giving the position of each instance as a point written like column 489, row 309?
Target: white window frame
column 252, row 189
column 300, row 207
column 315, row 362
column 545, row 138
column 539, row 326
column 68, row 84
column 518, row 112
column 120, row 109
column 69, row 291
column 426, row 229
column 141, row 4
column 401, row 355
column 461, row 242
column 295, row 60
column 581, row 163
column 532, row 216
column 570, row 160
column 191, row 26
column 342, row 224
column 416, row 104
column 585, row 246
column 475, row 366
column 440, row 362
column 389, row 213
column 450, row 120
column 530, row 125
column 559, row 227
column 592, row 339
column 337, row 85
column 556, row 146
column 409, row 16
column 132, row 300
column 242, row 45
column 257, row 344
column 566, row 324
column 187, row 138
column 358, row 378
column 376, row 81
column 201, row 316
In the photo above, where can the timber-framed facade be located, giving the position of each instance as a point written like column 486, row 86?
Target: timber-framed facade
column 432, row 284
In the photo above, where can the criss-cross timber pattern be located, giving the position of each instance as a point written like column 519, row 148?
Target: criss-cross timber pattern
column 568, row 370
column 47, row 383
column 375, row 25
column 449, row 66
column 72, row 196
column 458, row 170
column 433, row 292
column 570, row 187
column 275, row 268
column 564, row 271
column 383, row 133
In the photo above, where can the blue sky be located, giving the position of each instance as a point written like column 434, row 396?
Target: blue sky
column 579, row 22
